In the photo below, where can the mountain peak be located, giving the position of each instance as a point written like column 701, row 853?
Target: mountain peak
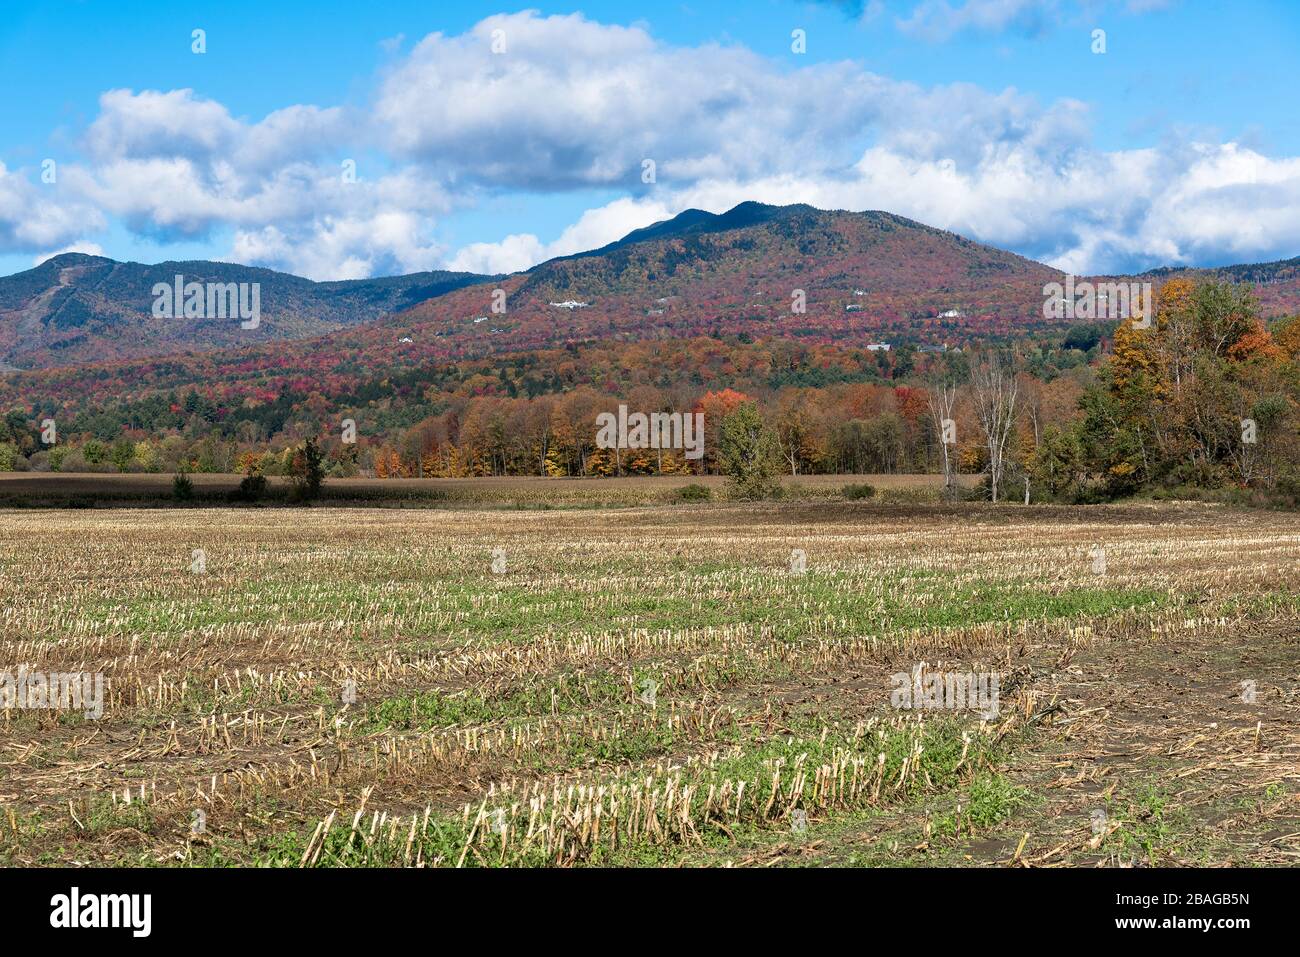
column 694, row 222
column 748, row 213
column 63, row 260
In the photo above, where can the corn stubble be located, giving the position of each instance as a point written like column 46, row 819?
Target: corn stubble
column 501, row 719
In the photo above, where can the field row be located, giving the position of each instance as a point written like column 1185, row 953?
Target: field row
column 691, row 684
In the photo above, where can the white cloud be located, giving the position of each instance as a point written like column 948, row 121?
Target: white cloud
column 152, row 124
column 595, row 228
column 512, row 254
column 572, row 103
column 174, row 165
column 1087, row 212
column 998, row 167
column 36, row 215
column 385, row 243
column 90, row 249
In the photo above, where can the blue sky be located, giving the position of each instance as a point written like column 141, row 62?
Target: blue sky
column 994, row 118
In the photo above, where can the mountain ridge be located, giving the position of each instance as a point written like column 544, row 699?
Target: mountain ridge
column 77, row 308
column 866, row 277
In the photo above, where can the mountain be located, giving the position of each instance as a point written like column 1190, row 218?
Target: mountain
column 75, row 309
column 1277, row 284
column 857, row 275
column 698, row 221
column 683, row 295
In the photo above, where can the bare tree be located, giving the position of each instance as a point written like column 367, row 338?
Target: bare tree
column 943, row 397
column 1031, row 400
column 995, row 390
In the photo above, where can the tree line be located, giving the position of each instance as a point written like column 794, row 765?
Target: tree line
column 1201, row 395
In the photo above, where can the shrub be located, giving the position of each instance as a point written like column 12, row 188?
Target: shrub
column 69, row 460
column 251, row 488
column 859, row 490
column 182, row 488
column 695, row 493
column 307, row 472
column 748, row 453
column 94, row 452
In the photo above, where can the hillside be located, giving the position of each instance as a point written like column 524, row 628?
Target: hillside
column 1276, row 284
column 694, row 290
column 74, row 309
column 863, row 275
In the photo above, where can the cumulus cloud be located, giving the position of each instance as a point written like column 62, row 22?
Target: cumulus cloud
column 595, row 228
column 36, row 215
column 1082, row 211
column 152, row 124
column 90, row 249
column 175, row 165
column 384, row 243
column 996, row 166
column 512, row 254
column 570, row 103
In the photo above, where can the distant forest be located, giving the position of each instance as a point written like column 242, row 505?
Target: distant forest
column 1207, row 397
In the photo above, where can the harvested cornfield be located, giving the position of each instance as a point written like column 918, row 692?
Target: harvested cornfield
column 677, row 685
column 86, row 490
